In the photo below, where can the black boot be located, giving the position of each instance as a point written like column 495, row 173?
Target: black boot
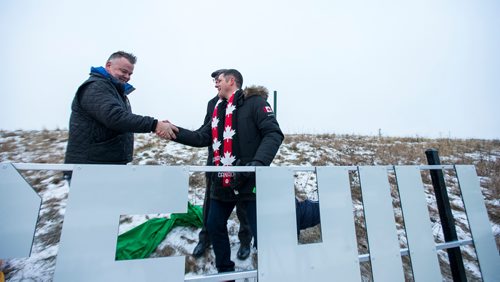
column 200, row 249
column 243, row 251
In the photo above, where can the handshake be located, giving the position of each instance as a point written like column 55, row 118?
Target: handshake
column 166, row 130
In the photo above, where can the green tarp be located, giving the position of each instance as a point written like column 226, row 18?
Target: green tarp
column 142, row 240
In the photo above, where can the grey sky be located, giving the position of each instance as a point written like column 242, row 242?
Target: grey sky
column 427, row 68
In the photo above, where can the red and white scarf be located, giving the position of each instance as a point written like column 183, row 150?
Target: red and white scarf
column 228, row 158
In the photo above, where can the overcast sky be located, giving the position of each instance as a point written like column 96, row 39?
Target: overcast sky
column 429, row 68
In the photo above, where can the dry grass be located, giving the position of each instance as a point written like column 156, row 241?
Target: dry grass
column 197, row 180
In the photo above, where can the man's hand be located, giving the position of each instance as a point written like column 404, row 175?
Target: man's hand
column 165, row 129
column 239, row 178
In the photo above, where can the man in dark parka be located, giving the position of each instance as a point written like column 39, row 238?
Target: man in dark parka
column 245, row 233
column 243, row 131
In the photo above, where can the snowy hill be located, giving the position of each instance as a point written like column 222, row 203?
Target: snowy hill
column 297, row 150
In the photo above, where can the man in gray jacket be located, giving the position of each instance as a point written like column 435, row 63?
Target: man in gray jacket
column 102, row 125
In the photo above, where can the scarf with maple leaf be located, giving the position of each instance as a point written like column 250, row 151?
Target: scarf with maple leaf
column 228, row 158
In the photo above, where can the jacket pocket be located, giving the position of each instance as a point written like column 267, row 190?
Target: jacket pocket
column 109, row 151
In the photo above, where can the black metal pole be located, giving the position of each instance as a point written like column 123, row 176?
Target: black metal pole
column 446, row 216
column 275, row 103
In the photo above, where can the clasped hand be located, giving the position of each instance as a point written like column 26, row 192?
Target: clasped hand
column 166, row 130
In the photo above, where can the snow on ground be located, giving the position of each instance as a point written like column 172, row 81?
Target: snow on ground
column 297, row 150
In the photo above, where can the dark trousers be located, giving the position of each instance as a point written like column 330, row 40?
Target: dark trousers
column 245, row 232
column 217, row 229
column 307, row 213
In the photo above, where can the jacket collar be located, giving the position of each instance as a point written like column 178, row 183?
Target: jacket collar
column 126, row 88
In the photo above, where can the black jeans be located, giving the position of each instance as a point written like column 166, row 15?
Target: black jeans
column 217, row 229
column 245, row 232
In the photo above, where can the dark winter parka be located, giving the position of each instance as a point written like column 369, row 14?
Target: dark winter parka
column 101, row 125
column 257, row 139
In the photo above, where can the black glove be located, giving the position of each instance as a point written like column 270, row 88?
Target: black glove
column 239, row 178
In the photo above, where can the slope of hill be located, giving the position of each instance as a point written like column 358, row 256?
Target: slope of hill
column 297, row 150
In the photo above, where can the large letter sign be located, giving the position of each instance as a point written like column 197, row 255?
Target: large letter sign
column 19, row 207
column 98, row 195
column 280, row 256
